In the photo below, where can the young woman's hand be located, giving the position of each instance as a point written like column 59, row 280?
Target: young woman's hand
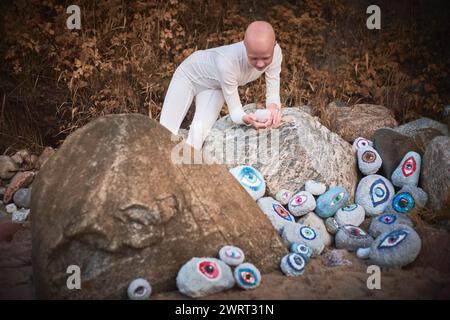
column 250, row 120
column 275, row 112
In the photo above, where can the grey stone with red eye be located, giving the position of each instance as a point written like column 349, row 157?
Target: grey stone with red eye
column 315, row 188
column 247, row 276
column 408, row 199
column 298, row 233
column 374, row 193
column 293, row 265
column 361, row 142
column 200, row 277
column 231, row 255
column 352, row 238
column 408, row 171
column 301, row 203
column 352, row 214
column 396, row 248
column 283, row 196
column 276, row 213
column 369, row 160
column 386, row 222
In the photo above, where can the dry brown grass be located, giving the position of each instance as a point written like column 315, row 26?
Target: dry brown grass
column 123, row 58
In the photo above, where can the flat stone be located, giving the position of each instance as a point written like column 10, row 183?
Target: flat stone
column 293, row 265
column 360, row 120
column 300, row 149
column 374, row 193
column 200, row 277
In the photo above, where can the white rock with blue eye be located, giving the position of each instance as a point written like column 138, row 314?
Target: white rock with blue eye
column 283, row 196
column 352, row 238
column 315, row 188
column 386, row 222
column 251, row 179
column 200, row 277
column 361, row 142
column 293, row 265
column 352, row 214
column 301, row 203
column 396, row 248
column 301, row 249
column 247, row 276
column 314, row 221
column 374, row 193
column 331, row 225
column 231, row 255
column 298, row 233
column 369, row 161
column 408, row 171
column 276, row 213
column 139, row 289
column 408, row 199
column 331, row 201
column 262, row 115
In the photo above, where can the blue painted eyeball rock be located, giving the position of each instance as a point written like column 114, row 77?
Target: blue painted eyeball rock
column 396, row 248
column 408, row 199
column 302, row 203
column 386, row 222
column 361, row 143
column 200, row 277
column 231, row 255
column 408, row 171
column 276, row 213
column 352, row 214
column 369, row 161
column 331, row 201
column 374, row 193
column 251, row 179
column 301, row 249
column 315, row 188
column 298, row 233
column 283, row 196
column 352, row 238
column 293, row 265
column 331, row 225
column 139, row 289
column 247, row 276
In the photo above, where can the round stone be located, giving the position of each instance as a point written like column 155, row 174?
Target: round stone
column 374, row 193
column 301, row 203
column 10, row 208
column 276, row 213
column 200, row 277
column 352, row 238
column 293, row 265
column 20, row 215
column 361, row 142
column 298, row 233
column 331, row 225
column 386, row 222
column 231, row 255
column 353, row 214
column 262, row 115
column 314, row 221
column 22, row 197
column 283, row 196
column 247, row 276
column 139, row 289
column 301, row 249
column 408, row 199
column 363, row 253
column 408, row 171
column 396, row 248
column 315, row 188
column 369, row 161
column 8, row 167
column 251, row 179
column 331, row 201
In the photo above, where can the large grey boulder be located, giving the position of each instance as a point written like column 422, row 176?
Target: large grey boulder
column 114, row 202
column 301, row 149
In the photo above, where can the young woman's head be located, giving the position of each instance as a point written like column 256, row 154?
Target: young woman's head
column 259, row 42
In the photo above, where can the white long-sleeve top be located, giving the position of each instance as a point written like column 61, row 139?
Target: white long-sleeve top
column 226, row 68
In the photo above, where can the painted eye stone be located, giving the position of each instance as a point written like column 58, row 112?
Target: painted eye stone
column 247, row 276
column 139, row 289
column 293, row 265
column 231, row 255
column 352, row 238
column 307, row 233
column 361, row 143
column 396, row 247
column 302, row 250
column 374, row 193
column 408, row 171
column 369, row 161
column 209, row 269
column 282, row 212
column 315, row 188
column 251, row 179
column 408, row 199
column 276, row 213
column 403, row 202
column 302, row 234
column 302, row 203
column 352, row 215
column 386, row 222
column 331, row 201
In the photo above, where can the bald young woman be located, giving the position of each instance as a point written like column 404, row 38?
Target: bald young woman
column 212, row 76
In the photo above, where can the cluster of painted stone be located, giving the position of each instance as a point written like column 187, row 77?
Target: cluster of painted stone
column 200, row 277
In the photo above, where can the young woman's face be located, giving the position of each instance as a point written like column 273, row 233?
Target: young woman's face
column 259, row 57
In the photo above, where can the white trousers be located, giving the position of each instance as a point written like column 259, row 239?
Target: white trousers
column 179, row 96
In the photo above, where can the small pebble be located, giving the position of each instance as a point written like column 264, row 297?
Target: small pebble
column 139, row 289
